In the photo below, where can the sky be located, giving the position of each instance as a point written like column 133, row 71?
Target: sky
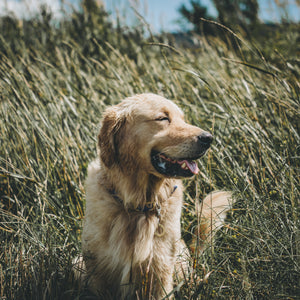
column 160, row 14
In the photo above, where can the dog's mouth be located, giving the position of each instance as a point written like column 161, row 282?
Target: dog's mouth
column 170, row 167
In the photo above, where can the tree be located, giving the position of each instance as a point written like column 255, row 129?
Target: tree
column 195, row 14
column 232, row 13
column 237, row 12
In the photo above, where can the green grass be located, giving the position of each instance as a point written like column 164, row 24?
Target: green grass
column 55, row 82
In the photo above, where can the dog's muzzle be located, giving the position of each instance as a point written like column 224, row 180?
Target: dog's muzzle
column 184, row 166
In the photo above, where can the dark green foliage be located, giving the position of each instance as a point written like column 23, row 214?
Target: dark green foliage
column 194, row 16
column 241, row 15
column 237, row 12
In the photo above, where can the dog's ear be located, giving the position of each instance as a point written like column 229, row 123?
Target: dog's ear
column 108, row 137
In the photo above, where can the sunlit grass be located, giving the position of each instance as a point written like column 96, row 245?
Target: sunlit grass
column 53, row 90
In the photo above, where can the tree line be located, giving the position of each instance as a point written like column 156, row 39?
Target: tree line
column 235, row 14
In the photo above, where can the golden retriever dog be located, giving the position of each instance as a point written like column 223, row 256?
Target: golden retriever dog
column 132, row 237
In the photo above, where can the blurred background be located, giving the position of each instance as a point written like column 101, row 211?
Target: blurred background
column 168, row 15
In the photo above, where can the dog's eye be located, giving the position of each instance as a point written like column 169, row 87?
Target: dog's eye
column 163, row 119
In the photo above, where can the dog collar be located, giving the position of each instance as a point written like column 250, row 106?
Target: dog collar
column 149, row 207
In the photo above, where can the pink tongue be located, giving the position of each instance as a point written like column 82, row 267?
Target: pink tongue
column 193, row 167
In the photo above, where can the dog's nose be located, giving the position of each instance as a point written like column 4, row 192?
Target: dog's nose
column 205, row 138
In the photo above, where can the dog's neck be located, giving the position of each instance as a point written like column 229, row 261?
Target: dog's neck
column 140, row 189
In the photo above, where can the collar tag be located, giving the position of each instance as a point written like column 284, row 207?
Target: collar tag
column 174, row 189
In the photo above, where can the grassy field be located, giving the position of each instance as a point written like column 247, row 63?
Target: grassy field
column 55, row 82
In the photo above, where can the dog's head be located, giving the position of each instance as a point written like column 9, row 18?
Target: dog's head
column 148, row 133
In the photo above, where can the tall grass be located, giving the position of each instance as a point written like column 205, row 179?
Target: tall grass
column 55, row 82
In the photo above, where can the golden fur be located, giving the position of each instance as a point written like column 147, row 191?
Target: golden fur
column 130, row 252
